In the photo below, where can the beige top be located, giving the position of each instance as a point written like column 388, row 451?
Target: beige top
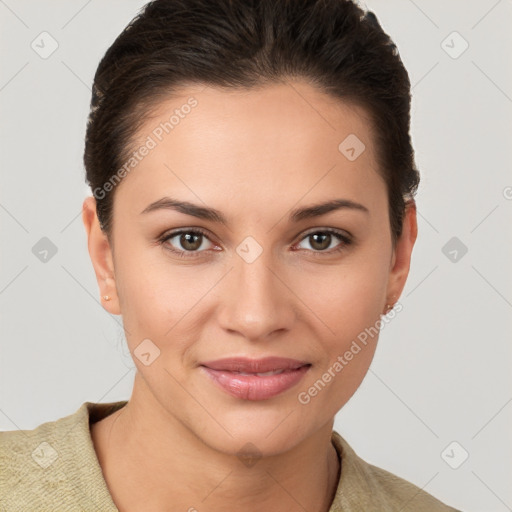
column 54, row 467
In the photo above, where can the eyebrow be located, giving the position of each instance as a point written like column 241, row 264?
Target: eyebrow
column 211, row 214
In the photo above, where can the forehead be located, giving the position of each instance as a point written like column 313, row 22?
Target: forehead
column 282, row 112
column 284, row 140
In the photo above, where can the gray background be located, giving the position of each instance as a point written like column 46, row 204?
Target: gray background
column 442, row 368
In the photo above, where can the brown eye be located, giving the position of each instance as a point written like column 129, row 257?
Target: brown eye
column 185, row 241
column 190, row 242
column 325, row 241
column 320, row 241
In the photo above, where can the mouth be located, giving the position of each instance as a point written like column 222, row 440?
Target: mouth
column 255, row 379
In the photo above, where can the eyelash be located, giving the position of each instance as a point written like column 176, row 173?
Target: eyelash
column 346, row 241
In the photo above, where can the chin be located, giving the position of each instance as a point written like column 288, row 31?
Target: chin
column 252, row 443
column 267, row 430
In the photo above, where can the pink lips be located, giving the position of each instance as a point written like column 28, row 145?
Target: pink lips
column 242, row 377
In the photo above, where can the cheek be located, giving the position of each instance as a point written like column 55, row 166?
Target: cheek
column 347, row 298
column 148, row 294
column 159, row 298
column 350, row 310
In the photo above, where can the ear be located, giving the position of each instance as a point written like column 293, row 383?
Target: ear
column 401, row 259
column 101, row 256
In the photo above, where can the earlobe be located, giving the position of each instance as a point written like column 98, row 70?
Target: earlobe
column 101, row 256
column 401, row 259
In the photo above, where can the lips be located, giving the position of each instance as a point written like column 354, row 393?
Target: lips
column 255, row 379
column 267, row 364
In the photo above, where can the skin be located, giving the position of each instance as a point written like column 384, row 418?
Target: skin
column 254, row 156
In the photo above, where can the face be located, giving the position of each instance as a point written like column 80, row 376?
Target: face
column 248, row 269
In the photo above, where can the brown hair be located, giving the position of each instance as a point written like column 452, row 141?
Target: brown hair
column 332, row 44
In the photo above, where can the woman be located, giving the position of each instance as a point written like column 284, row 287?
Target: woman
column 252, row 217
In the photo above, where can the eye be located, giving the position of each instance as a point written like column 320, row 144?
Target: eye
column 192, row 242
column 321, row 240
column 187, row 243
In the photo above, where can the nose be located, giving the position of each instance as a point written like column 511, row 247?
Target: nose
column 258, row 302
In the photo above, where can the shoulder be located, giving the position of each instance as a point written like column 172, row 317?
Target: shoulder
column 52, row 464
column 374, row 489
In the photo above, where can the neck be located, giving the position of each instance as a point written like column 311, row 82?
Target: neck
column 150, row 460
